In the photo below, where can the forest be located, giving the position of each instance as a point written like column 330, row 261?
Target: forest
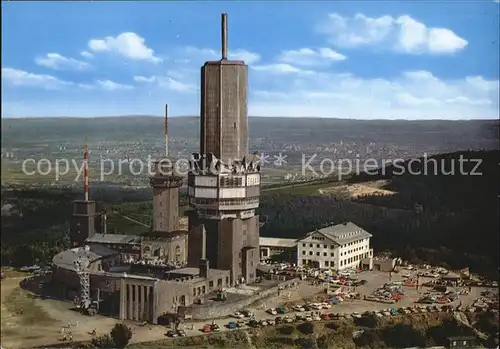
column 452, row 220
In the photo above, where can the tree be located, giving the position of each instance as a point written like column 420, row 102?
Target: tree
column 121, row 335
column 104, row 342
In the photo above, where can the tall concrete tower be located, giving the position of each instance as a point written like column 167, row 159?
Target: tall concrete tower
column 224, row 182
column 165, row 186
column 224, row 121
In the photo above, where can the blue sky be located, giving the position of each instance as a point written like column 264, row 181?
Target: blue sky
column 410, row 60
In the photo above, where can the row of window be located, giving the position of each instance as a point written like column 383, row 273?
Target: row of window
column 230, row 181
column 319, row 246
column 356, row 249
column 354, row 243
column 229, row 202
column 325, row 254
column 353, row 259
column 310, row 262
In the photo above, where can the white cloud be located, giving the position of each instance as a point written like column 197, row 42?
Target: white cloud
column 129, row 45
column 403, row 34
column 282, row 68
column 23, row 78
column 310, row 57
column 168, row 82
column 411, row 95
column 109, row 85
column 86, row 54
column 205, row 54
column 59, row 62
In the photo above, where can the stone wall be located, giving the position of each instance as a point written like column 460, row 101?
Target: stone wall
column 221, row 309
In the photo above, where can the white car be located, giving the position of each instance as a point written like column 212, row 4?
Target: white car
column 316, row 317
column 238, row 315
column 309, row 318
column 316, row 306
column 287, row 319
column 326, row 305
column 272, row 311
column 271, row 322
column 298, row 308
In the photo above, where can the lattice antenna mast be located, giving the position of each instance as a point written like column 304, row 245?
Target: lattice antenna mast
column 81, row 266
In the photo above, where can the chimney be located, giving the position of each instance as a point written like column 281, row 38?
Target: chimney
column 104, row 223
column 203, row 242
column 166, row 130
column 224, row 35
column 204, row 265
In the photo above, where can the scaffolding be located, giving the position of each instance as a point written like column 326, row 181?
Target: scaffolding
column 81, row 265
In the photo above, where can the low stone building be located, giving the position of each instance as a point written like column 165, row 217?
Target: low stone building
column 284, row 250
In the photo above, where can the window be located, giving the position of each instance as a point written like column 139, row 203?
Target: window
column 303, row 252
column 332, row 247
column 310, row 245
column 317, row 246
column 310, row 253
column 210, row 284
column 325, row 246
column 326, row 263
column 303, row 245
column 332, row 254
column 317, row 254
column 324, row 254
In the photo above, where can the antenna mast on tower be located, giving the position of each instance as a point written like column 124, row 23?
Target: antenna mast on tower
column 85, row 171
column 166, row 130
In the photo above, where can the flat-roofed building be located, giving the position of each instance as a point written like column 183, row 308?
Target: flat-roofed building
column 278, row 248
column 335, row 247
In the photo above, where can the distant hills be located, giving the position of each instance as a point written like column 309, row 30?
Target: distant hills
column 462, row 134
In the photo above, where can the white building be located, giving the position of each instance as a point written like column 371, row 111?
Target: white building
column 336, row 247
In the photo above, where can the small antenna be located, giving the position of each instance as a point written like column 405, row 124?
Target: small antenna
column 224, row 35
column 166, row 130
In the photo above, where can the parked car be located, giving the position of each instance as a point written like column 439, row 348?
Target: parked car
column 272, row 311
column 326, row 305
column 207, row 329
column 232, row 325
column 298, row 308
column 325, row 317
column 238, row 315
column 181, row 333
column 299, row 317
column 247, row 313
column 172, row 334
column 253, row 323
column 287, row 319
column 282, row 310
column 215, row 328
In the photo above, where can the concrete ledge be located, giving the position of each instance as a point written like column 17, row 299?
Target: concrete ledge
column 222, row 309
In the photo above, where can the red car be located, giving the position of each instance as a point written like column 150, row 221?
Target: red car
column 325, row 317
column 207, row 328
